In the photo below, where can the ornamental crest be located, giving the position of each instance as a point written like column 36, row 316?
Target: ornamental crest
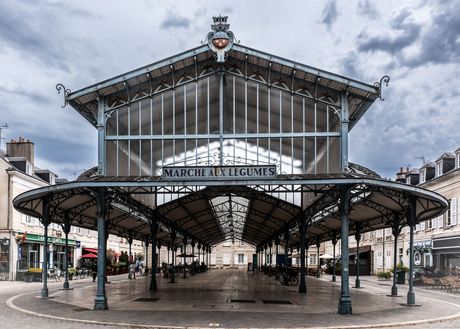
column 220, row 39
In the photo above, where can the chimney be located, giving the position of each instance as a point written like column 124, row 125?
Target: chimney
column 20, row 149
column 400, row 173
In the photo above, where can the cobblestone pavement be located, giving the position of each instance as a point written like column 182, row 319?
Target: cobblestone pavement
column 188, row 306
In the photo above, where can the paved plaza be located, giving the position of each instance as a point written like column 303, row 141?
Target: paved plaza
column 224, row 298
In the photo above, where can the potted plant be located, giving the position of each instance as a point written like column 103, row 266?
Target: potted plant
column 108, row 269
column 71, row 271
column 122, row 267
column 28, row 276
column 384, row 276
column 115, row 268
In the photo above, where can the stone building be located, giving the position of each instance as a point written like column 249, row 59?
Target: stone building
column 21, row 236
column 436, row 241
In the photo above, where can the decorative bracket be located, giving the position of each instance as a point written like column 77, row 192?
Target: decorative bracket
column 385, row 79
column 60, row 86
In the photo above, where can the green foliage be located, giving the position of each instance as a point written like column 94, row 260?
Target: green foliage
column 122, row 265
column 71, row 271
column 382, row 274
column 110, row 256
column 123, row 258
column 28, row 273
column 400, row 267
column 140, row 256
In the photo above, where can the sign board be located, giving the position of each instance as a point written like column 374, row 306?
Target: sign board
column 219, row 172
column 78, row 244
column 40, row 238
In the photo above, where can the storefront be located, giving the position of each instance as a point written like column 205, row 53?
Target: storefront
column 446, row 254
column 30, row 252
column 4, row 257
column 364, row 260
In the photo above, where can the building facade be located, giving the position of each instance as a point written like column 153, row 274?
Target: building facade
column 436, row 241
column 21, row 236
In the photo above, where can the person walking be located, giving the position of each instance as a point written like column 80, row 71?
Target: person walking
column 94, row 271
column 132, row 271
column 141, row 267
column 137, row 266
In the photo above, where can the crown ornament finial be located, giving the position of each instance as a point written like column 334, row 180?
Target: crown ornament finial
column 220, row 40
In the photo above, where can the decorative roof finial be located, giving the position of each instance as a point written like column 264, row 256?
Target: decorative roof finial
column 220, row 39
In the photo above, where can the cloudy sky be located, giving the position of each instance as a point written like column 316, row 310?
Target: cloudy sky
column 79, row 43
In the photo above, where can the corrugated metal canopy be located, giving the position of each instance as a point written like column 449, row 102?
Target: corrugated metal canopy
column 262, row 212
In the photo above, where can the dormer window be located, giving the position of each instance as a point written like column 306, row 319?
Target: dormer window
column 439, row 169
column 408, row 180
column 28, row 168
column 422, row 176
column 52, row 179
column 458, row 161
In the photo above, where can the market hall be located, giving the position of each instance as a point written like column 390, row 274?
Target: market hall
column 226, row 142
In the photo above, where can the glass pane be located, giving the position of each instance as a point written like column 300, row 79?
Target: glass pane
column 134, row 158
column 309, row 161
column 228, row 103
column 309, row 116
column 111, row 158
column 252, row 107
column 334, row 119
column 179, row 111
column 190, row 108
column 297, row 163
column 321, row 117
column 123, row 158
column 240, row 113
column 286, row 112
column 298, row 114
column 111, row 126
column 202, row 97
column 334, row 155
column 287, row 155
column 156, row 156
column 134, row 119
column 168, row 113
column 321, row 155
column 275, row 111
column 146, row 158
column 123, row 114
column 213, row 105
column 263, row 109
column 146, row 117
column 157, row 115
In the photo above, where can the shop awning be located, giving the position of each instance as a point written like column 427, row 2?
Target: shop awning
column 91, row 250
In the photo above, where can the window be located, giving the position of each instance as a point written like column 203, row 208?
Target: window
column 29, row 168
column 241, row 243
column 408, row 180
column 429, row 224
column 4, row 255
column 240, row 259
column 352, row 239
column 422, row 176
column 312, row 259
column 388, row 231
column 448, row 217
column 227, row 243
column 379, row 233
column 453, row 211
column 29, row 220
column 439, row 169
column 52, row 179
column 457, row 165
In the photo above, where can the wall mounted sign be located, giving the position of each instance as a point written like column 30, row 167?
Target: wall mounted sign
column 219, row 172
